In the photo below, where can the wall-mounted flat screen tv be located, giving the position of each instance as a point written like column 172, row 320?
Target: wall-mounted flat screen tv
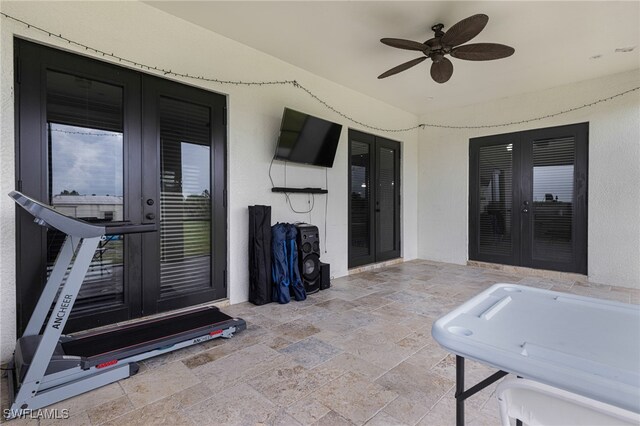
column 307, row 139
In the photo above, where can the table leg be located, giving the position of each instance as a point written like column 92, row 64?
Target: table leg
column 462, row 394
column 518, row 421
column 459, row 391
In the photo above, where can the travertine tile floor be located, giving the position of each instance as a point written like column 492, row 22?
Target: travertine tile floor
column 359, row 353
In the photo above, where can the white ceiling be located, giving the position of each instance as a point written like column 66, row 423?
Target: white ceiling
column 554, row 43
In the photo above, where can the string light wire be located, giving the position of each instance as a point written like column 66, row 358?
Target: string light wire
column 297, row 85
column 71, row 132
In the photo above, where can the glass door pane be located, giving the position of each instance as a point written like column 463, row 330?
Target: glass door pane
column 360, row 229
column 495, row 199
column 85, row 176
column 553, row 195
column 387, row 200
column 185, row 198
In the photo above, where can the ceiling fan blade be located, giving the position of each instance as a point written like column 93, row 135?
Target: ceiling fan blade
column 482, row 51
column 402, row 67
column 441, row 71
column 404, row 44
column 465, row 30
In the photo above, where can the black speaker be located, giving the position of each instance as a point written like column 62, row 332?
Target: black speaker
column 325, row 276
column 308, row 242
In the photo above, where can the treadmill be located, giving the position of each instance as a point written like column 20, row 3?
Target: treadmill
column 48, row 366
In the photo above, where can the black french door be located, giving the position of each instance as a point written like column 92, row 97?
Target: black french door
column 107, row 144
column 528, row 198
column 185, row 262
column 374, row 199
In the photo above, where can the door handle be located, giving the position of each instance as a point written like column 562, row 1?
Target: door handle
column 525, row 210
column 377, row 210
column 150, row 216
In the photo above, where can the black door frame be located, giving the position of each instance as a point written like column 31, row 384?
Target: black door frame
column 32, row 61
column 395, row 252
column 522, row 184
column 474, row 198
column 374, row 143
column 369, row 140
column 154, row 88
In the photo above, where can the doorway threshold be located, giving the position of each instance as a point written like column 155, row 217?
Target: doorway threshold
column 372, row 266
column 542, row 273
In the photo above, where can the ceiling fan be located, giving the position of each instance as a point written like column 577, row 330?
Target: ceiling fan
column 449, row 43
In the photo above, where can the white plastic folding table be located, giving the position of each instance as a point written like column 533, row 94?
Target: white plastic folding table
column 584, row 345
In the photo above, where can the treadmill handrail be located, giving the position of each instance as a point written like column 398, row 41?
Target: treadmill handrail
column 48, row 217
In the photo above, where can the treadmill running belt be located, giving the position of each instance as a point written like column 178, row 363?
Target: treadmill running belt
column 144, row 333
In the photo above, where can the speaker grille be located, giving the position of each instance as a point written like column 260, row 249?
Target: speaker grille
column 310, row 267
column 309, row 256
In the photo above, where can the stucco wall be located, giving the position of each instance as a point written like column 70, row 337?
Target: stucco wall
column 614, row 171
column 147, row 35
